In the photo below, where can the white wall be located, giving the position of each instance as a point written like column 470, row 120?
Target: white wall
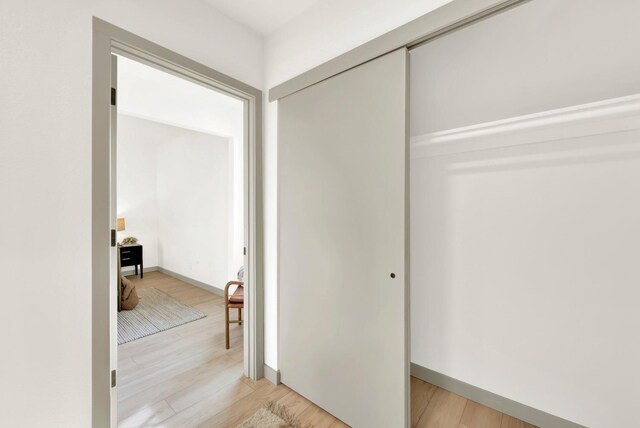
column 45, row 183
column 325, row 30
column 148, row 93
column 555, row 55
column 194, row 210
column 176, row 194
column 139, row 142
column 524, row 231
column 524, row 266
column 332, row 27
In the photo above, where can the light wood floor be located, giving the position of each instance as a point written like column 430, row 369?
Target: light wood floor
column 184, row 377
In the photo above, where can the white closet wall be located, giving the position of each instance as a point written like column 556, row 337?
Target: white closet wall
column 539, row 56
column 525, row 226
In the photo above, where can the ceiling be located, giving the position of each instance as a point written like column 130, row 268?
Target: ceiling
column 262, row 16
column 152, row 94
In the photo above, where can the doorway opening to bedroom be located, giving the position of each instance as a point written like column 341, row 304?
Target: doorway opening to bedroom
column 180, row 206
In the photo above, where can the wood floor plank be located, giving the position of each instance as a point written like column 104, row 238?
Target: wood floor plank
column 126, row 364
column 295, row 403
column 421, row 393
column 244, row 408
column 255, row 384
column 157, row 374
column 167, row 388
column 478, row 416
column 178, row 347
column 338, row 424
column 511, row 422
column 201, row 333
column 317, row 417
column 210, row 306
column 140, row 373
column 149, row 415
column 210, row 406
column 443, row 411
column 184, row 377
column 204, row 386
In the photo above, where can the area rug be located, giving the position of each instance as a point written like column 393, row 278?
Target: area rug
column 273, row 415
column 155, row 312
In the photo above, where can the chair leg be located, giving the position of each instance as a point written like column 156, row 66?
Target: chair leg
column 226, row 323
column 240, row 316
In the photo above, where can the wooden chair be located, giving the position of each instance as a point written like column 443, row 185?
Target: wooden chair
column 236, row 300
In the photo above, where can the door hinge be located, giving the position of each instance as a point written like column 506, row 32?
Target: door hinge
column 113, row 378
column 113, row 96
column 244, row 251
column 113, row 237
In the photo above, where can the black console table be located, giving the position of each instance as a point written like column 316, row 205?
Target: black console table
column 131, row 255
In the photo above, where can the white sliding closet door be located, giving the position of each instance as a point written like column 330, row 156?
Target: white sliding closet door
column 342, row 147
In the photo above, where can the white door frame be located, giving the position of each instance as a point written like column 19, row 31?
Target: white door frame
column 108, row 39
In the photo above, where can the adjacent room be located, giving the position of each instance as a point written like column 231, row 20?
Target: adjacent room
column 180, row 231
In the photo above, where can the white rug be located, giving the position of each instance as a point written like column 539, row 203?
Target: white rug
column 273, row 415
column 155, row 312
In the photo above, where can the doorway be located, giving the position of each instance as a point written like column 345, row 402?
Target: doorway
column 180, row 241
column 109, row 40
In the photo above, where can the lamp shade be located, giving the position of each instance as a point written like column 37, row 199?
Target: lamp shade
column 120, row 224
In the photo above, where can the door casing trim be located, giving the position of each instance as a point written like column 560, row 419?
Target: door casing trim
column 108, row 39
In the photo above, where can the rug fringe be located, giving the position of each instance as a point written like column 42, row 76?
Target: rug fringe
column 283, row 413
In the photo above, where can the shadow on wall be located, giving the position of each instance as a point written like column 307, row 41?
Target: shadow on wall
column 524, row 256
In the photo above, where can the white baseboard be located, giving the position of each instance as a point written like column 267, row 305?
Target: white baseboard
column 502, row 404
column 199, row 284
column 132, row 271
column 272, row 375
